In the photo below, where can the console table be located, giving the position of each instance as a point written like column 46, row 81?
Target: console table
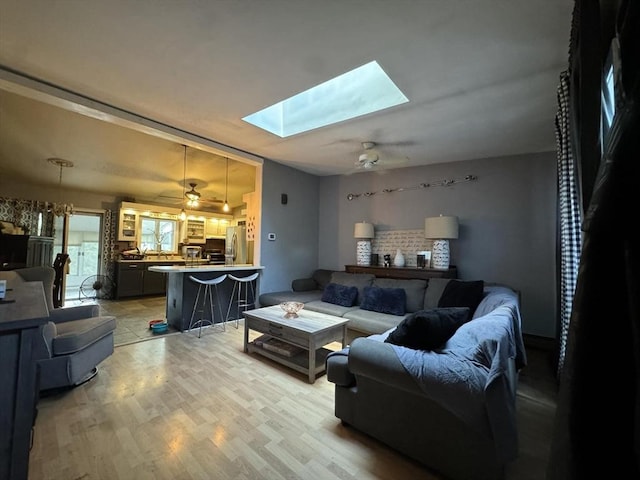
column 403, row 272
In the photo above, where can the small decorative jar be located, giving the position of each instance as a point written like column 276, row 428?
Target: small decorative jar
column 398, row 261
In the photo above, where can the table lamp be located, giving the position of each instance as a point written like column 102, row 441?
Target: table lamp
column 363, row 231
column 440, row 229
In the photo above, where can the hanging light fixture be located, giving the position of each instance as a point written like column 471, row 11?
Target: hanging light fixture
column 183, row 213
column 61, row 209
column 225, row 207
column 193, row 196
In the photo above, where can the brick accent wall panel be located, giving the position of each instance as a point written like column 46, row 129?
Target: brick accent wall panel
column 408, row 241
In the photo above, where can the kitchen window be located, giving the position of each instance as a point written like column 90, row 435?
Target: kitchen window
column 158, row 235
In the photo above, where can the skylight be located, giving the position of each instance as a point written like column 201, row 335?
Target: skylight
column 361, row 91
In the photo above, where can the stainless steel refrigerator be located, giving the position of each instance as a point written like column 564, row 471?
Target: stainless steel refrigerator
column 236, row 246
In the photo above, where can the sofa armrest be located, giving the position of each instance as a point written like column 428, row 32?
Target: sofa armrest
column 304, row 285
column 67, row 314
column 378, row 361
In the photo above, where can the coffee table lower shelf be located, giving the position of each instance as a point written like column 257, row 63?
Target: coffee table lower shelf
column 298, row 362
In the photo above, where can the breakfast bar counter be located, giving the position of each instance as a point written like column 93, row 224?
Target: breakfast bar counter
column 181, row 291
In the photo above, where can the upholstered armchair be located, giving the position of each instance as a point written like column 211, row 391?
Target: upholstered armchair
column 74, row 340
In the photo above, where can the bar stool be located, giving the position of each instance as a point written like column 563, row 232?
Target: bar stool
column 205, row 288
column 240, row 295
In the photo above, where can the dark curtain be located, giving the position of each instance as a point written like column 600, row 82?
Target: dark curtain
column 597, row 427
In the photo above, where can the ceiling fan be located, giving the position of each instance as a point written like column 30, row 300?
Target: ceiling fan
column 372, row 158
column 192, row 198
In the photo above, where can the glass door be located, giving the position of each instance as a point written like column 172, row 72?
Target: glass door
column 79, row 236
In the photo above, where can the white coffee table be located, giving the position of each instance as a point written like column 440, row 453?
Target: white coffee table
column 310, row 332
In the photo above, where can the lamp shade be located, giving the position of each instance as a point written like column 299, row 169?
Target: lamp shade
column 442, row 227
column 363, row 230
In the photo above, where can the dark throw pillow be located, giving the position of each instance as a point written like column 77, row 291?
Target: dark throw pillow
column 384, row 300
column 429, row 329
column 459, row 293
column 340, row 294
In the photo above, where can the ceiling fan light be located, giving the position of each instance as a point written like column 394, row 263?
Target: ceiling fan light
column 368, row 157
column 192, row 194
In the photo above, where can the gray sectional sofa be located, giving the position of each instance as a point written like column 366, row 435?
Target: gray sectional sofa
column 451, row 407
column 361, row 322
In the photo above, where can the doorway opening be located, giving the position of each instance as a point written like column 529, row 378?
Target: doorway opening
column 79, row 236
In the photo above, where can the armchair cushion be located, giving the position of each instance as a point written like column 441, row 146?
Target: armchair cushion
column 74, row 336
column 67, row 314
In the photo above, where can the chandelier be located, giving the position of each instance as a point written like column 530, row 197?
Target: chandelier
column 61, row 208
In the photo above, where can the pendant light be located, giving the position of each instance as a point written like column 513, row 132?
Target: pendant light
column 183, row 213
column 225, row 207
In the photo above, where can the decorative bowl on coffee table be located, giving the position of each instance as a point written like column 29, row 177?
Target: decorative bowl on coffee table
column 292, row 308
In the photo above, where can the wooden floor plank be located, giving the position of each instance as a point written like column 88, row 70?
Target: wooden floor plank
column 183, row 407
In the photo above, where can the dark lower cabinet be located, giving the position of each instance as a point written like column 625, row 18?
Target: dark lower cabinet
column 154, row 283
column 129, row 279
column 133, row 279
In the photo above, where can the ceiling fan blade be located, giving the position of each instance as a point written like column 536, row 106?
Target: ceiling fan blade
column 169, row 197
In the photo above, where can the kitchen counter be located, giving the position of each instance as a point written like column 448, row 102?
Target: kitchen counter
column 181, row 291
column 135, row 278
column 203, row 268
column 160, row 259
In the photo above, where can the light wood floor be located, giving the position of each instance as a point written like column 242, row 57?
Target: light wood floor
column 182, row 407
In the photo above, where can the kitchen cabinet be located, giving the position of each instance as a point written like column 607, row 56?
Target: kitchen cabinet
column 217, row 227
column 129, row 278
column 195, row 229
column 154, row 283
column 127, row 225
column 133, row 279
